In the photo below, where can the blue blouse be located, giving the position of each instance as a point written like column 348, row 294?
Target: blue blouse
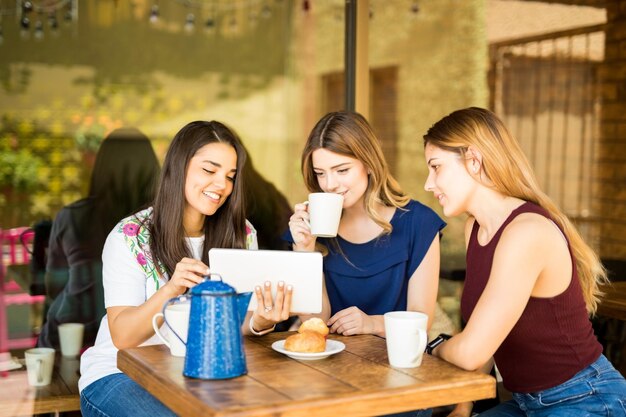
column 374, row 276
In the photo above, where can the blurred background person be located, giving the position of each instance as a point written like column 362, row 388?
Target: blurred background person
column 123, row 180
column 266, row 208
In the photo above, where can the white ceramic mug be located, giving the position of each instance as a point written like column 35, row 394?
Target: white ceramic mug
column 39, row 366
column 177, row 316
column 71, row 338
column 406, row 338
column 324, row 213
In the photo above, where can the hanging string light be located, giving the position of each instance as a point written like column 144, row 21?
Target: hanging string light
column 52, row 21
column 210, row 24
column 25, row 23
column 69, row 15
column 154, row 13
column 266, row 12
column 213, row 12
column 38, row 30
column 190, row 22
column 27, row 6
column 31, row 16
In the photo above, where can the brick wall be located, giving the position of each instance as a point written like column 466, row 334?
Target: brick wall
column 612, row 146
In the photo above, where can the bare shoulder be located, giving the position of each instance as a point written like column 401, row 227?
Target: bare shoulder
column 526, row 247
column 534, row 231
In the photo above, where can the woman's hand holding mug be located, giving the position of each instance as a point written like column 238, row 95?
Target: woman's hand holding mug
column 300, row 229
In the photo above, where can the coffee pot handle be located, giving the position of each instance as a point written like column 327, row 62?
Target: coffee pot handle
column 180, row 299
column 210, row 274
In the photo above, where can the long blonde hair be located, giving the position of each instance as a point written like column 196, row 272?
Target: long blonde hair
column 506, row 166
column 349, row 134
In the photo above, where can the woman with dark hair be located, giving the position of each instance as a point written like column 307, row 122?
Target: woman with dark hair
column 161, row 252
column 123, row 180
column 531, row 280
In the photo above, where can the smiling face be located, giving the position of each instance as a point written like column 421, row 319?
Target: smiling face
column 340, row 174
column 209, row 182
column 449, row 180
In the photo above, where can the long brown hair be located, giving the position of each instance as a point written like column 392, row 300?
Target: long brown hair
column 224, row 229
column 349, row 134
column 123, row 181
column 506, row 166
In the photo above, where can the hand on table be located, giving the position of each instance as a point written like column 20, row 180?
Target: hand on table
column 270, row 311
column 300, row 230
column 351, row 321
column 188, row 273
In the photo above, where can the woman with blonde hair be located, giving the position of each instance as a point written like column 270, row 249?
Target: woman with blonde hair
column 531, row 280
column 386, row 254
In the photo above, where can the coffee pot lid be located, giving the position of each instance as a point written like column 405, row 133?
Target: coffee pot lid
column 213, row 286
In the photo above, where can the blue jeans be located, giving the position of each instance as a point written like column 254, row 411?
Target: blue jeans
column 598, row 390
column 117, row 395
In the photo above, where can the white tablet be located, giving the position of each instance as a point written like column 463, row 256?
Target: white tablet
column 244, row 269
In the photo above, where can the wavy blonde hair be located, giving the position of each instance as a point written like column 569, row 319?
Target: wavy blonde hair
column 349, row 134
column 508, row 169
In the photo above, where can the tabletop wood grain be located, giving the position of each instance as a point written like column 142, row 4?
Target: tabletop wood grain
column 356, row 382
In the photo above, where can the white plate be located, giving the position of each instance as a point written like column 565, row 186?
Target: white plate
column 332, row 347
column 10, row 365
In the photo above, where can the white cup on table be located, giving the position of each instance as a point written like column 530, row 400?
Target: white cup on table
column 406, row 338
column 324, row 213
column 177, row 318
column 71, row 338
column 39, row 366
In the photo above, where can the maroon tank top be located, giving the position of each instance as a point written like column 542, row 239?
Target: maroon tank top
column 552, row 340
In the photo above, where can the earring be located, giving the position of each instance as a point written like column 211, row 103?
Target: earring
column 475, row 170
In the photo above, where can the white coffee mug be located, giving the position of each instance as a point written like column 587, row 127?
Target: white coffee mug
column 39, row 366
column 406, row 338
column 71, row 338
column 177, row 318
column 324, row 213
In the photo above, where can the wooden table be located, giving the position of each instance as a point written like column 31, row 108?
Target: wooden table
column 613, row 303
column 17, row 398
column 356, row 382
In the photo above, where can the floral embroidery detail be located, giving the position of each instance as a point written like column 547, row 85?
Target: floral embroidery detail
column 137, row 237
column 131, row 229
column 141, row 258
column 251, row 240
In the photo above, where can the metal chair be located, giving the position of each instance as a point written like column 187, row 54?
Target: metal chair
column 14, row 245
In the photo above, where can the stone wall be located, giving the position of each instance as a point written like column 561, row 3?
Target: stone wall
column 611, row 168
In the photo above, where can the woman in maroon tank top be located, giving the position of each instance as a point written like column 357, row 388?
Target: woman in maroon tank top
column 531, row 280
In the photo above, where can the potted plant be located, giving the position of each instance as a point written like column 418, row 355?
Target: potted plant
column 18, row 170
column 18, row 177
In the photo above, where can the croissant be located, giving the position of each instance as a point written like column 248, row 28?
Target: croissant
column 314, row 324
column 306, row 342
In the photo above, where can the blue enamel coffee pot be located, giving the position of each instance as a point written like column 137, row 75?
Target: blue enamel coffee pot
column 214, row 341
